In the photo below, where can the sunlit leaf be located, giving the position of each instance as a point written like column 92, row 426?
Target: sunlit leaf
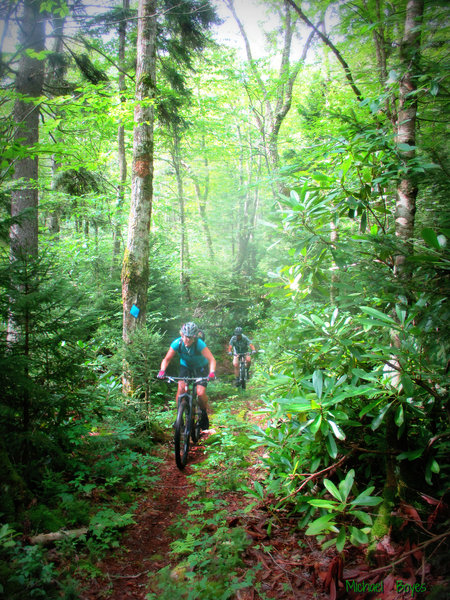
column 336, row 430
column 332, row 489
column 318, row 383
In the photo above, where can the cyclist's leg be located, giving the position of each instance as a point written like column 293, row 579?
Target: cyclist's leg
column 201, row 389
column 248, row 361
column 236, row 365
column 203, row 398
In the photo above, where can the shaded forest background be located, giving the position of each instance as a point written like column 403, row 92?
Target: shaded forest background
column 296, row 186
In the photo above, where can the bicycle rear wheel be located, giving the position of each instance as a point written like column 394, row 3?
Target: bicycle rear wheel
column 182, row 433
column 242, row 375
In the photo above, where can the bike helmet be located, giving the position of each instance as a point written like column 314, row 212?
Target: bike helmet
column 238, row 331
column 189, row 329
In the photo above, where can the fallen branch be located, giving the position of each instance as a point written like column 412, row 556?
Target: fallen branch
column 312, row 476
column 48, row 538
column 405, row 554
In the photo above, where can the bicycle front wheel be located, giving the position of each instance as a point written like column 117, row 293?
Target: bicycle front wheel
column 242, row 375
column 182, row 433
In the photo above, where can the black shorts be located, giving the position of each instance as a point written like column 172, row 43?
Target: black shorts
column 196, row 372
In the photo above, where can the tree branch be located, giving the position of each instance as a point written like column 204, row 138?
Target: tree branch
column 333, row 48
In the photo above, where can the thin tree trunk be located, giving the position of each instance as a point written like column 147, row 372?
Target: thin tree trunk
column 202, row 199
column 120, row 142
column 184, row 242
column 407, row 188
column 135, row 270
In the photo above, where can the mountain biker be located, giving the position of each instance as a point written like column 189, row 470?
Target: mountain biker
column 240, row 343
column 196, row 360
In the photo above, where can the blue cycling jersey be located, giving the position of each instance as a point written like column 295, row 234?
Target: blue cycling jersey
column 191, row 357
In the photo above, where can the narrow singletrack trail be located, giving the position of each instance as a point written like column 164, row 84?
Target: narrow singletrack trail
column 145, row 545
column 292, row 566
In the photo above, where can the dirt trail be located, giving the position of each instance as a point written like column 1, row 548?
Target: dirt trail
column 145, row 545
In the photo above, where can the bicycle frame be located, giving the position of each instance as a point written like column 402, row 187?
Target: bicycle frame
column 242, row 368
column 187, row 424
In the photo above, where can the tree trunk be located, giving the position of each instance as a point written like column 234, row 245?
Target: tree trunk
column 29, row 82
column 404, row 230
column 120, row 142
column 184, row 243
column 405, row 208
column 135, row 270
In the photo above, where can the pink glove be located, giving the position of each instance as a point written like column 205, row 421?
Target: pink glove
column 161, row 374
column 211, row 376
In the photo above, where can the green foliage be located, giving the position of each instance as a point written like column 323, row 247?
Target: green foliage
column 208, row 553
column 27, row 572
column 105, row 527
column 339, row 393
column 211, row 569
column 338, row 517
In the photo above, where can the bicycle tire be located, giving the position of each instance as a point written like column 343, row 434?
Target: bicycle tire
column 182, row 434
column 242, row 381
column 196, row 429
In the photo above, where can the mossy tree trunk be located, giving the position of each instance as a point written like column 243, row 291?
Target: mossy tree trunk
column 405, row 210
column 135, row 269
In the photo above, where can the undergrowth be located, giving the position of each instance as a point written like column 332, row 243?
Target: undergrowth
column 93, row 496
column 207, row 554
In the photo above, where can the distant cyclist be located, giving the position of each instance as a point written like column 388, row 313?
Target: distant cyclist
column 196, row 360
column 239, row 344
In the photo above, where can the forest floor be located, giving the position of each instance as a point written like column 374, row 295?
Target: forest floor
column 285, row 565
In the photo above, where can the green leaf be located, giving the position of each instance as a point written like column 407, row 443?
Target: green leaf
column 365, row 500
column 435, row 468
column 331, row 446
column 399, row 416
column 379, row 315
column 314, row 427
column 411, row 455
column 432, row 467
column 336, row 430
column 431, row 238
column 379, row 418
column 340, row 540
column 345, row 485
column 323, row 523
column 259, row 489
column 362, row 516
column 318, row 383
column 407, row 384
column 321, row 503
column 406, row 147
column 358, row 537
column 332, row 489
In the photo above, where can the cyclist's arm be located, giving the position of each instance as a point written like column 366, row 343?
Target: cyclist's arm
column 230, row 348
column 166, row 360
column 252, row 347
column 210, row 358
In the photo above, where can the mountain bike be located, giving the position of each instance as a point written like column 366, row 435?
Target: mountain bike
column 243, row 373
column 187, row 424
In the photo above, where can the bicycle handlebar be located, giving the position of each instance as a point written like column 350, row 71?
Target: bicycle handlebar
column 187, row 379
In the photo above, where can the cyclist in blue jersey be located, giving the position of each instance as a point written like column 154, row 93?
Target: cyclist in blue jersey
column 196, row 360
